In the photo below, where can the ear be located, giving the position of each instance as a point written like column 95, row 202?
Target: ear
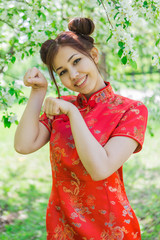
column 95, row 54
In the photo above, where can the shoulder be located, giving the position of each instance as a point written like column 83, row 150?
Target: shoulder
column 129, row 104
column 133, row 121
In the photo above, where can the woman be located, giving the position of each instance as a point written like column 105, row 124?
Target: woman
column 91, row 135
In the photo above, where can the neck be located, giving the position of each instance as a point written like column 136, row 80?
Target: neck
column 100, row 84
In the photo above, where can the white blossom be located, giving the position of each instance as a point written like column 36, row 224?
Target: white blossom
column 12, row 118
column 7, row 98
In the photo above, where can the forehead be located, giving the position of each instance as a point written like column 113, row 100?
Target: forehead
column 63, row 54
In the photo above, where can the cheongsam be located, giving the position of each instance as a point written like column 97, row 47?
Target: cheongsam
column 80, row 208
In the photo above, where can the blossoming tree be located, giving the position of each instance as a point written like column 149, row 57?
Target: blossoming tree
column 126, row 31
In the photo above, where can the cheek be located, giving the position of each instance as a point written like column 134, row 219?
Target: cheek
column 65, row 81
column 88, row 66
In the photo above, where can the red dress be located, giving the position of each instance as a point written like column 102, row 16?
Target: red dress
column 80, row 208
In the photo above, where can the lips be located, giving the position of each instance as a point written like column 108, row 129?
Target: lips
column 81, row 81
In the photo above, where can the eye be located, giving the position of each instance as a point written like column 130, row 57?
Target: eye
column 61, row 73
column 76, row 61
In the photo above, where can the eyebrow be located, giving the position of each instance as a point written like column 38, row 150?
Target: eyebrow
column 67, row 61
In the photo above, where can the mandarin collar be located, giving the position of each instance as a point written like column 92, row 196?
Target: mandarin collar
column 99, row 96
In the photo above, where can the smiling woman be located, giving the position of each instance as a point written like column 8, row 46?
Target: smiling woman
column 91, row 136
column 77, row 71
column 77, row 38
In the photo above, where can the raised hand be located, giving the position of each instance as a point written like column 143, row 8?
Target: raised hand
column 35, row 79
column 54, row 106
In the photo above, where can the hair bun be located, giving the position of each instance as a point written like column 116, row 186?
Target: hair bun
column 81, row 25
column 45, row 48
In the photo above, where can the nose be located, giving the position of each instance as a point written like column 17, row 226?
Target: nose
column 73, row 73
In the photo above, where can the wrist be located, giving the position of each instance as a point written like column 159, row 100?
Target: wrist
column 39, row 90
column 73, row 110
column 37, row 94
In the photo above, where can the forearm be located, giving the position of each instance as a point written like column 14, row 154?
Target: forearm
column 28, row 127
column 92, row 155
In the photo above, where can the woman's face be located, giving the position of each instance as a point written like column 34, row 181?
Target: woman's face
column 77, row 71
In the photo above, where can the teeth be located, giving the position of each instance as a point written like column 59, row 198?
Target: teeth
column 82, row 81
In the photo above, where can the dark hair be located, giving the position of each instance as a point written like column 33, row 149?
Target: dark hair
column 77, row 37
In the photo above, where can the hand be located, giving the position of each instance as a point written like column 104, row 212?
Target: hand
column 54, row 106
column 35, row 79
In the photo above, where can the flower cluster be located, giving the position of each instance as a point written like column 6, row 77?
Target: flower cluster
column 125, row 18
column 6, row 99
column 125, row 29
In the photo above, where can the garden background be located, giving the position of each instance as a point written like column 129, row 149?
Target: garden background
column 128, row 37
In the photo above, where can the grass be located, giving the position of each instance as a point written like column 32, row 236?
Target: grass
column 25, row 183
column 142, row 178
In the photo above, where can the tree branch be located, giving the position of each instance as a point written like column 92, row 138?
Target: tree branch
column 106, row 13
column 9, row 24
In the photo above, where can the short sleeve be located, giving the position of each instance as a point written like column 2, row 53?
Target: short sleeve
column 46, row 122
column 133, row 124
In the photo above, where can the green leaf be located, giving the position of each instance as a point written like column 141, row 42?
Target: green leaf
column 39, row 13
column 65, row 89
column 27, row 53
column 118, row 24
column 16, row 122
column 23, row 29
column 145, row 4
column 120, row 52
column 109, row 37
column 124, row 60
column 6, row 122
column 22, row 56
column 13, row 59
column 48, row 33
column 23, row 99
column 117, row 7
column 121, row 44
column 116, row 15
column 133, row 64
column 99, row 2
column 11, row 91
column 127, row 22
column 153, row 7
column 31, row 51
column 24, row 17
column 157, row 42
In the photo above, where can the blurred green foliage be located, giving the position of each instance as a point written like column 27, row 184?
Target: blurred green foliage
column 123, row 29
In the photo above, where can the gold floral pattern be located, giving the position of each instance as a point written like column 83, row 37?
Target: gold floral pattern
column 79, row 208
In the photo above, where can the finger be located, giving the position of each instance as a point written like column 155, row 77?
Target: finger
column 34, row 80
column 46, row 108
column 50, row 116
column 31, row 82
column 28, row 80
column 50, row 107
column 54, row 107
column 26, row 75
column 34, row 72
column 57, row 111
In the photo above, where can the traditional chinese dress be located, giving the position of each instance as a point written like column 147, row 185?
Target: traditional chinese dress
column 80, row 208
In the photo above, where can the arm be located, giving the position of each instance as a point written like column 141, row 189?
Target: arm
column 100, row 162
column 31, row 134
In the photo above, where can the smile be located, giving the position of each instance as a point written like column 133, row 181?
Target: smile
column 81, row 81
